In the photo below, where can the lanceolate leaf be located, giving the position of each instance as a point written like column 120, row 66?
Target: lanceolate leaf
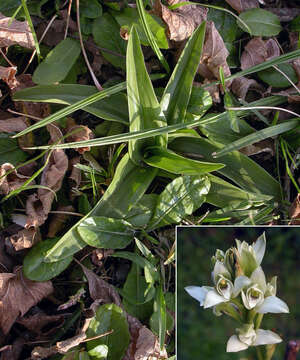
column 180, row 198
column 258, row 136
column 177, row 94
column 112, row 108
column 144, row 109
column 126, row 189
column 57, row 63
column 174, row 163
column 106, row 233
column 239, row 168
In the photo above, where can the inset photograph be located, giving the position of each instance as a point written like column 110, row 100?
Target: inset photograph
column 237, row 293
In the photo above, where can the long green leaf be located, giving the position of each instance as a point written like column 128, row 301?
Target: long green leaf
column 128, row 186
column 77, row 106
column 176, row 164
column 150, row 36
column 239, row 168
column 177, row 94
column 112, row 108
column 257, row 136
column 162, row 318
column 143, row 106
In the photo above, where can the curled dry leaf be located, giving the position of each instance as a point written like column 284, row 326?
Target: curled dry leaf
column 242, row 85
column 24, row 239
column 144, row 344
column 7, row 74
column 10, row 179
column 257, row 51
column 100, row 289
column 180, row 22
column 15, row 32
column 39, row 205
column 58, row 220
column 294, row 211
column 80, row 133
column 214, row 54
column 17, row 295
column 243, row 5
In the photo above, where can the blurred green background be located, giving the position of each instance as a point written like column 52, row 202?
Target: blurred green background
column 202, row 335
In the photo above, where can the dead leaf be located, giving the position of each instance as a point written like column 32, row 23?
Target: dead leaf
column 35, row 323
column 7, row 74
column 257, row 51
column 294, row 211
column 181, row 22
column 80, row 133
column 12, row 181
column 13, row 125
column 39, row 205
column 259, row 147
column 285, row 14
column 24, row 239
column 100, row 289
column 6, row 263
column 214, row 54
column 213, row 89
column 242, row 85
column 144, row 345
column 14, row 32
column 17, row 295
column 243, row 5
column 98, row 255
column 58, row 220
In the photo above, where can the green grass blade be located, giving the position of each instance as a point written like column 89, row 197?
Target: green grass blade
column 150, row 37
column 177, row 94
column 28, row 18
column 162, row 318
column 77, row 106
column 144, row 109
column 257, row 136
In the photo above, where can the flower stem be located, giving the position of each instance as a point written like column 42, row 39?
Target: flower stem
column 259, row 354
column 258, row 321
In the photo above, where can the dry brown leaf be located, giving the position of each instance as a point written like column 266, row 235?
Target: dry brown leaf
column 180, row 22
column 80, row 133
column 257, row 51
column 7, row 74
column 285, row 14
column 294, row 211
column 12, row 181
column 13, row 125
column 75, row 175
column 58, row 220
column 39, row 205
column 74, row 299
column 38, row 321
column 259, row 147
column 6, row 263
column 17, row 295
column 144, row 345
column 243, row 5
column 214, row 54
column 100, row 289
column 242, row 85
column 24, row 239
column 15, row 32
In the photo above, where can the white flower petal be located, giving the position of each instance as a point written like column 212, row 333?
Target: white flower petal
column 258, row 277
column 265, row 337
column 197, row 292
column 272, row 304
column 260, row 247
column 239, row 283
column 245, row 301
column 212, row 299
column 220, row 269
column 235, row 345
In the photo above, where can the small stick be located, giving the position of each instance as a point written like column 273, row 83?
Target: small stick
column 68, row 18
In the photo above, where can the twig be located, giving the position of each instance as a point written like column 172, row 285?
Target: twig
column 68, row 18
column 97, row 84
column 6, row 58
